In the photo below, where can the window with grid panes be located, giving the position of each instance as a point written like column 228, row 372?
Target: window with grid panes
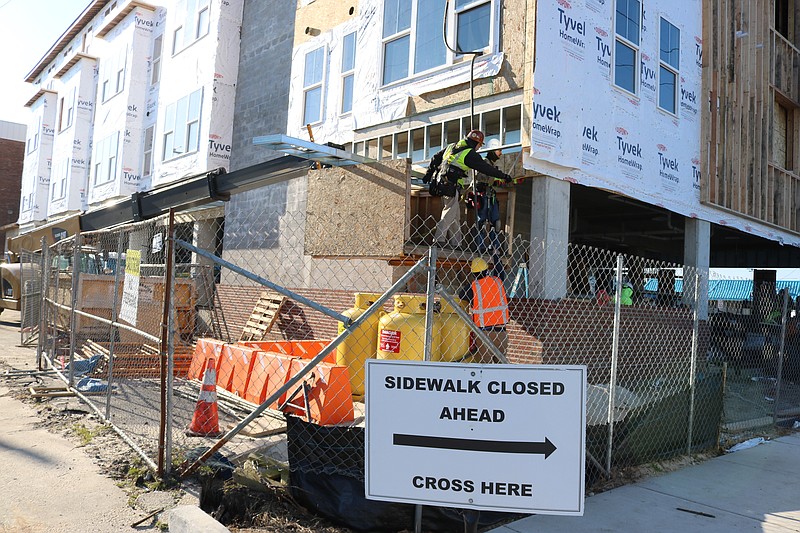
column 627, row 28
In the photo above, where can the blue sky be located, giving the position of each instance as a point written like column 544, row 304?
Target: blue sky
column 28, row 28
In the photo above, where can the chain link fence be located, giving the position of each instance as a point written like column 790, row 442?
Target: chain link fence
column 30, row 280
column 267, row 336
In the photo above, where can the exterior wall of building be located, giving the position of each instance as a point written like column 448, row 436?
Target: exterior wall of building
column 12, row 154
column 117, row 148
column 753, row 170
column 204, row 69
column 124, row 110
column 262, row 91
column 72, row 144
column 262, row 96
column 376, row 101
column 38, row 158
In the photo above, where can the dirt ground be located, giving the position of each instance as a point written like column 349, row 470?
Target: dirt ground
column 70, row 420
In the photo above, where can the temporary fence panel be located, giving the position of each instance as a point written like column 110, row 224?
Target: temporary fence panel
column 30, row 284
column 659, row 359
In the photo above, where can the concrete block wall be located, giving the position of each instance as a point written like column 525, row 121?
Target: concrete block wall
column 262, row 101
column 262, row 91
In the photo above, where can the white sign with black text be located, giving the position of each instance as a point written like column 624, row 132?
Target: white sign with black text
column 494, row 437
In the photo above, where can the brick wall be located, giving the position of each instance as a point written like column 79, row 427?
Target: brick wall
column 12, row 154
column 654, row 341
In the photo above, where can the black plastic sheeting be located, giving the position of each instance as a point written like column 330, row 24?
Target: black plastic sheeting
column 327, row 476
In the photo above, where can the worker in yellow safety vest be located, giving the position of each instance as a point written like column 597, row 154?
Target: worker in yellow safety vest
column 447, row 173
column 489, row 308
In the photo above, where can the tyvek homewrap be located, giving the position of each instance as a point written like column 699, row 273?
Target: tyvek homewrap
column 72, row 144
column 373, row 103
column 36, row 166
column 587, row 131
column 208, row 64
column 120, row 116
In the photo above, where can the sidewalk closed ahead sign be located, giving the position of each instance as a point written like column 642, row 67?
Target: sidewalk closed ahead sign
column 493, row 437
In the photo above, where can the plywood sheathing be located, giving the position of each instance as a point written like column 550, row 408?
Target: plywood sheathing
column 321, row 17
column 358, row 210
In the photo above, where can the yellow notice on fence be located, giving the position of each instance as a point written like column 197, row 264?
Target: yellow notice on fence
column 130, row 290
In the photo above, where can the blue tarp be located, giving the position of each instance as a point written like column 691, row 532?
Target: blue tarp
column 730, row 289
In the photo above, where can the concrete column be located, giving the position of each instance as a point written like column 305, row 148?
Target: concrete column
column 696, row 256
column 549, row 238
column 204, row 236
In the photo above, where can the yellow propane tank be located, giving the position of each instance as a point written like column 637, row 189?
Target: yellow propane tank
column 360, row 344
column 454, row 339
column 401, row 333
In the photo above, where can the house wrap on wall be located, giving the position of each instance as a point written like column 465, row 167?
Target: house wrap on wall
column 132, row 95
column 617, row 106
column 375, row 75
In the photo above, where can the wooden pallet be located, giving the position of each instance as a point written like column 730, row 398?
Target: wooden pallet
column 264, row 315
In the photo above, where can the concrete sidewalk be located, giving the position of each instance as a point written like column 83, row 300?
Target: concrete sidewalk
column 756, row 489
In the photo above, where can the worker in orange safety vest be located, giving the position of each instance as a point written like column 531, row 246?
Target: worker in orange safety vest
column 489, row 308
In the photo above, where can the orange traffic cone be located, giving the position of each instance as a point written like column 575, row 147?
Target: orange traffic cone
column 205, row 421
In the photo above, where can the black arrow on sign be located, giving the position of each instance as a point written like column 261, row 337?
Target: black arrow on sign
column 474, row 445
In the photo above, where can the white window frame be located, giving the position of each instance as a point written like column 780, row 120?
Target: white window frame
column 180, row 120
column 33, row 140
column 675, row 70
column 348, row 74
column 636, row 47
column 195, row 25
column 66, row 110
column 155, row 68
column 148, row 142
column 470, row 5
column 452, row 28
column 59, row 182
column 106, row 159
column 112, row 78
column 313, row 85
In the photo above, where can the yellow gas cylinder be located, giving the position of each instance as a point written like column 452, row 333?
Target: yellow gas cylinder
column 454, row 339
column 360, row 344
column 401, row 333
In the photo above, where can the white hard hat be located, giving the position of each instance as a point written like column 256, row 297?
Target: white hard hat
column 493, row 144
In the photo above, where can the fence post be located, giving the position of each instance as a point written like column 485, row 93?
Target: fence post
column 429, row 303
column 612, row 385
column 170, row 344
column 693, row 362
column 73, row 321
column 44, row 287
column 780, row 355
column 164, row 348
column 56, row 310
column 112, row 327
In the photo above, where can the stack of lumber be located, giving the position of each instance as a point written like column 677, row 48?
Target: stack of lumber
column 136, row 360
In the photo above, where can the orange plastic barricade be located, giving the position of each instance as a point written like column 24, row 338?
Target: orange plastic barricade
column 204, row 349
column 329, row 394
column 269, row 372
column 234, row 368
column 311, row 349
column 283, row 347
